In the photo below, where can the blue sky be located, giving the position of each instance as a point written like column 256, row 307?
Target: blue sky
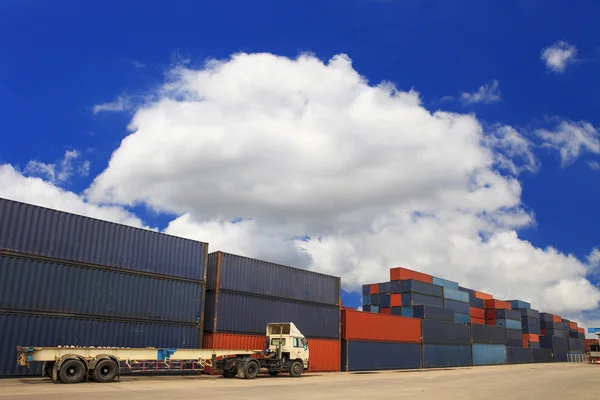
column 61, row 59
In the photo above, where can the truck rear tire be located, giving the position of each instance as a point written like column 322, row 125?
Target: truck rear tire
column 106, row 370
column 296, row 369
column 251, row 370
column 72, row 371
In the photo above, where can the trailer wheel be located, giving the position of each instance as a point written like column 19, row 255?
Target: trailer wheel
column 72, row 371
column 106, row 370
column 229, row 373
column 296, row 369
column 48, row 369
column 251, row 369
column 273, row 373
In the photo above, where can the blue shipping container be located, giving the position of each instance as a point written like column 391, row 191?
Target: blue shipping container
column 555, row 343
column 437, row 332
column 435, row 313
column 471, row 292
column 514, row 334
column 456, row 295
column 489, row 354
column 366, row 289
column 457, row 306
column 542, row 355
column 238, row 313
column 462, row 318
column 384, row 300
column 385, row 287
column 576, row 345
column 488, row 334
column 375, row 299
column 561, row 356
column 550, row 325
column 37, row 330
column 406, row 311
column 446, row 355
column 367, row 308
column 514, row 342
column 410, row 285
column 509, row 323
column 534, row 345
column 366, row 299
column 62, row 288
column 369, row 356
column 535, row 329
column 246, row 275
column 374, row 309
column 529, row 312
column 418, row 299
column 503, row 314
column 519, row 304
column 553, row 332
column 445, row 283
column 477, row 303
column 518, row 355
column 25, row 228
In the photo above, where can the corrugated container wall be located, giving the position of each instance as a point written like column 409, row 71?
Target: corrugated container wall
column 358, row 325
column 25, row 228
column 446, row 355
column 366, row 355
column 489, row 354
column 246, row 275
column 37, row 330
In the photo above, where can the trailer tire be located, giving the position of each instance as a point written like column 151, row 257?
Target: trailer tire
column 251, row 369
column 72, row 371
column 273, row 373
column 229, row 373
column 296, row 369
column 106, row 370
column 48, row 369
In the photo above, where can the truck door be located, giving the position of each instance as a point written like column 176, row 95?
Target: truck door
column 298, row 348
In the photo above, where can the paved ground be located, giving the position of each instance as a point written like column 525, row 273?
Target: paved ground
column 531, row 382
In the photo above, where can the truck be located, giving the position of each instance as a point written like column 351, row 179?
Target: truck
column 286, row 350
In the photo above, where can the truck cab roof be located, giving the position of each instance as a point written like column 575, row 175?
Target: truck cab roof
column 283, row 328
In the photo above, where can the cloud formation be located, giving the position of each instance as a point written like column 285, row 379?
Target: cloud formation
column 59, row 173
column 335, row 174
column 559, row 55
column 571, row 139
column 487, row 93
column 121, row 103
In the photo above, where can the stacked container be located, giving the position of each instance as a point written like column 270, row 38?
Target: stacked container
column 71, row 280
column 455, row 300
column 244, row 295
column 446, row 344
column 416, row 293
column 576, row 345
column 377, row 342
column 488, row 344
column 554, row 336
column 530, row 321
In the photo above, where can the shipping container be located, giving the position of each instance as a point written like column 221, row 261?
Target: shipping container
column 531, row 337
column 542, row 355
column 366, row 299
column 519, row 304
column 384, row 300
column 385, row 310
column 445, row 283
column 476, row 303
column 437, row 332
column 496, row 304
column 435, row 313
column 324, row 355
column 418, row 299
column 534, row 345
column 546, row 317
column 462, row 318
column 574, row 334
column 514, row 334
column 446, row 355
column 503, row 314
column 457, row 306
column 366, row 308
column 368, row 356
column 576, row 345
column 456, row 295
column 240, row 313
column 358, row 325
column 374, row 309
column 488, row 334
column 529, row 312
column 384, row 287
column 234, row 341
column 246, row 275
column 573, row 326
column 535, row 329
column 488, row 354
column 561, row 356
column 366, row 289
column 375, row 299
column 564, row 326
column 51, row 331
column 374, row 288
column 558, row 333
column 477, row 312
column 509, row 323
column 518, row 355
column 471, row 292
column 56, row 287
column 555, row 343
column 531, row 321
column 411, row 285
column 406, row 311
column 396, row 300
column 480, row 321
column 514, row 342
column 483, row 296
column 550, row 325
column 59, row 236
column 557, row 319
column 581, row 336
column 401, row 274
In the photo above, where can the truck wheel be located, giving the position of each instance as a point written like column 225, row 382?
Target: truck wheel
column 296, row 369
column 105, row 371
column 48, row 369
column 229, row 373
column 251, row 369
column 273, row 373
column 72, row 371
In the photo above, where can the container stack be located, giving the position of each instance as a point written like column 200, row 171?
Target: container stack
column 530, row 321
column 488, row 344
column 476, row 306
column 446, row 344
column 554, row 336
column 243, row 295
column 379, row 342
column 576, row 344
column 455, row 300
column 70, row 280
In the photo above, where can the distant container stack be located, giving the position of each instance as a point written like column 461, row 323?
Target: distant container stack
column 555, row 336
column 243, row 295
column 476, row 307
column 70, row 280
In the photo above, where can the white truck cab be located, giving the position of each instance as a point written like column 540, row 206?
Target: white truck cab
column 286, row 337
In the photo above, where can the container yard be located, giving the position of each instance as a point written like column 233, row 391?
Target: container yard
column 69, row 280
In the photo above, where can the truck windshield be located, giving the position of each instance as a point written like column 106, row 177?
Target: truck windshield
column 277, row 342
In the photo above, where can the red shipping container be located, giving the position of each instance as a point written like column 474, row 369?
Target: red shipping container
column 396, row 300
column 573, row 326
column 543, row 332
column 358, row 325
column 580, row 330
column 400, row 274
column 525, row 343
column 374, row 288
column 556, row 318
column 385, row 310
column 480, row 321
column 489, row 321
column 483, row 296
column 531, row 337
column 491, row 304
column 477, row 312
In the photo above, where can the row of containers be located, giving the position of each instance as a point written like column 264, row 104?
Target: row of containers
column 458, row 327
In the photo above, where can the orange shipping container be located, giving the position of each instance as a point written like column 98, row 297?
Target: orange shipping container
column 525, row 343
column 480, row 321
column 374, row 288
column 358, row 325
column 580, row 330
column 531, row 337
column 573, row 326
column 483, row 296
column 385, row 310
column 556, row 318
column 396, row 300
column 477, row 312
column 400, row 274
column 490, row 321
column 496, row 304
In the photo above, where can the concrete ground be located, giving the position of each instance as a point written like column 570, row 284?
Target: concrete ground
column 531, row 382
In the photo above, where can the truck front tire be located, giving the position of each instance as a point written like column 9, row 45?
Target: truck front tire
column 296, row 369
column 251, row 369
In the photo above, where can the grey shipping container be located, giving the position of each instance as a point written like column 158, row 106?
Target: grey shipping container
column 242, row 313
column 561, row 356
column 514, row 342
column 44, row 330
column 477, row 303
column 457, row 306
column 555, row 343
column 418, row 299
column 541, row 355
column 518, row 355
column 535, row 329
column 410, row 285
column 557, row 333
column 25, row 228
column 546, row 317
column 446, row 355
column 529, row 312
column 34, row 285
column 503, row 314
column 437, row 332
column 550, row 325
column 435, row 313
column 514, row 334
column 471, row 292
column 384, row 287
column 576, row 344
column 488, row 334
column 358, row 355
column 534, row 345
column 488, row 354
column 246, row 275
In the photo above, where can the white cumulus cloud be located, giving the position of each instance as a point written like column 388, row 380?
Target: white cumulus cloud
column 62, row 171
column 571, row 139
column 332, row 173
column 487, row 93
column 594, row 165
column 121, row 103
column 559, row 55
